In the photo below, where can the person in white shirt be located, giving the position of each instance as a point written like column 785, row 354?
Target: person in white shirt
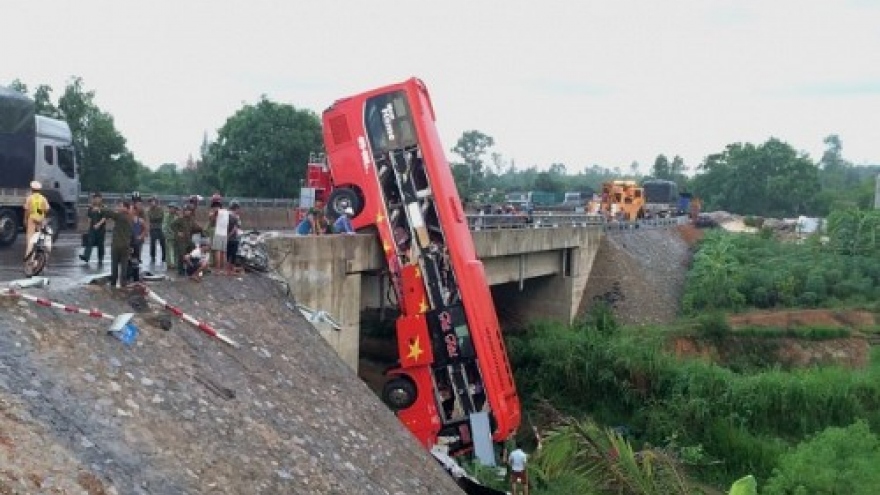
column 518, row 476
column 197, row 260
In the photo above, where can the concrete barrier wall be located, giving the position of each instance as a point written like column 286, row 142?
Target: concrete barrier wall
column 252, row 218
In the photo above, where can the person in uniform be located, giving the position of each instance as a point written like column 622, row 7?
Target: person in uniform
column 184, row 228
column 36, row 209
column 120, row 244
column 97, row 230
column 169, row 253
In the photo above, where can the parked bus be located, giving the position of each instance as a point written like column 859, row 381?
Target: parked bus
column 388, row 164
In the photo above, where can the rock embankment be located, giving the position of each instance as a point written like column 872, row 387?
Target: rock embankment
column 179, row 413
column 641, row 274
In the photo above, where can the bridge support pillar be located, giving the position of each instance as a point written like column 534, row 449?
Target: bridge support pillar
column 324, row 275
column 553, row 297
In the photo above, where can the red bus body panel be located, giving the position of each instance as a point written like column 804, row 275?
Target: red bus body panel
column 424, row 352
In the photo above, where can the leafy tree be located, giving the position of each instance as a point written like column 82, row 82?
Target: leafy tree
column 471, row 147
column 838, row 460
column 164, row 180
column 661, row 168
column 262, row 150
column 771, row 179
column 43, row 102
column 18, row 85
column 105, row 162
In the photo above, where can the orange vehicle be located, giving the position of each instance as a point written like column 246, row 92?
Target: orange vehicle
column 622, row 200
column 388, row 165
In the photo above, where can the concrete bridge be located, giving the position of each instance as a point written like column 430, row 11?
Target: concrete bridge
column 541, row 269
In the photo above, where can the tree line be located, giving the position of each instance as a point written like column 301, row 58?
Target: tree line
column 262, row 151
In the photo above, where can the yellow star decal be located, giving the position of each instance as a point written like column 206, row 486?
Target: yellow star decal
column 415, row 350
column 423, row 306
column 386, row 246
column 418, row 273
column 379, row 217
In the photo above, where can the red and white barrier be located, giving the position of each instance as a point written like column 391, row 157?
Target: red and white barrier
column 118, row 321
column 201, row 325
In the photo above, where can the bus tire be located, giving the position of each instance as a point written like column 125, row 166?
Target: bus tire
column 8, row 226
column 342, row 198
column 399, row 393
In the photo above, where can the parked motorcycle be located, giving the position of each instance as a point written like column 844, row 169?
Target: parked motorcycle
column 253, row 255
column 36, row 259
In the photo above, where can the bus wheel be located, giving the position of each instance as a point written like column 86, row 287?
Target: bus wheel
column 399, row 393
column 8, row 226
column 340, row 199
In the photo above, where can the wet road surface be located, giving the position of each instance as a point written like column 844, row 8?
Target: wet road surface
column 65, row 268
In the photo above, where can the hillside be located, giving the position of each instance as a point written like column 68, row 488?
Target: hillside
column 82, row 413
column 641, row 273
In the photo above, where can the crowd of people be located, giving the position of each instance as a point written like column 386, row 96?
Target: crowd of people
column 315, row 222
column 176, row 238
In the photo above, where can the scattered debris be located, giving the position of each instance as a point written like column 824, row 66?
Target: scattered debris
column 121, row 327
column 318, row 316
column 224, row 392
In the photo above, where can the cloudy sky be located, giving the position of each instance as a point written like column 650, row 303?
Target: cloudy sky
column 552, row 81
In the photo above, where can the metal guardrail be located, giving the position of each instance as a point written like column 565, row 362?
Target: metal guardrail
column 553, row 220
column 165, row 199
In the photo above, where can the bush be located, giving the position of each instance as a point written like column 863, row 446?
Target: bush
column 713, row 326
column 838, row 460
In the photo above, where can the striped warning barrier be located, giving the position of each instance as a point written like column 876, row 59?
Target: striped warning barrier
column 201, row 325
column 118, row 321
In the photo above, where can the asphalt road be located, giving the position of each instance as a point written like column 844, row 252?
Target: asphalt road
column 64, row 268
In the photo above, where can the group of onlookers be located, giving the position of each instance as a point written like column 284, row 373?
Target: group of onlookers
column 186, row 246
column 316, row 223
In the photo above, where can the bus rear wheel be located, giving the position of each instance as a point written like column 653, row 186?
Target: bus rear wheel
column 342, row 198
column 399, row 393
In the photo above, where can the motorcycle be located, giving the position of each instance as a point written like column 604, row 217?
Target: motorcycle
column 253, row 255
column 38, row 256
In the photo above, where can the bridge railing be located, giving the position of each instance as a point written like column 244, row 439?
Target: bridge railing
column 535, row 221
column 552, row 220
column 171, row 198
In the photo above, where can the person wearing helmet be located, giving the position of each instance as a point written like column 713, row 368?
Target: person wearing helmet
column 342, row 225
column 36, row 209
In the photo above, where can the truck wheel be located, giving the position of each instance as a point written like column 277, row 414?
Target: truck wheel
column 399, row 393
column 342, row 198
column 8, row 226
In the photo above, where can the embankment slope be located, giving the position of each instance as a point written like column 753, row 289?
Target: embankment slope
column 82, row 413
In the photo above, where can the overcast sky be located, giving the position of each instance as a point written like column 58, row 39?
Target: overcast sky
column 572, row 81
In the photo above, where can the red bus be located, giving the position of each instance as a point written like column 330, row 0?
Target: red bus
column 388, row 164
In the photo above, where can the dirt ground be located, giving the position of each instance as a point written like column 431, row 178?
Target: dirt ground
column 805, row 317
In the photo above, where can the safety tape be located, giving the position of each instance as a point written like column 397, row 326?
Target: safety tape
column 200, row 325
